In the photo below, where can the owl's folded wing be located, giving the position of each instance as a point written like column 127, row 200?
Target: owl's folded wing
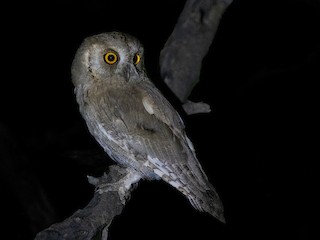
column 159, row 107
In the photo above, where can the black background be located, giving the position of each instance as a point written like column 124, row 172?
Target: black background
column 260, row 78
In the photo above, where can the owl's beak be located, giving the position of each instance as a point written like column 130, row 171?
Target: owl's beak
column 129, row 72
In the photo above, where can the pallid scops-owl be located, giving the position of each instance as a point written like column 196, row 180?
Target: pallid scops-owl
column 132, row 120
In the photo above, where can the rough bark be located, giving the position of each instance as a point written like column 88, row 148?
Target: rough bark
column 181, row 58
column 96, row 217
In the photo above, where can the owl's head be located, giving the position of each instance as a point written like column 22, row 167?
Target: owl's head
column 108, row 57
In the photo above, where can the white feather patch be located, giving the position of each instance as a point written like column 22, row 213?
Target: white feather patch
column 147, row 105
column 160, row 167
column 173, row 176
column 108, row 134
column 118, row 121
column 190, row 144
column 175, row 184
column 86, row 59
column 158, row 172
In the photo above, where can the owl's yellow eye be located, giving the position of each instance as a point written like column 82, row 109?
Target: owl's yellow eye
column 111, row 58
column 136, row 59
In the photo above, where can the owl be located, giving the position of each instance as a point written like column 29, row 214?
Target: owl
column 133, row 122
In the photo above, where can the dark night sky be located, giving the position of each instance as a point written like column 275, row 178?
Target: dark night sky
column 256, row 145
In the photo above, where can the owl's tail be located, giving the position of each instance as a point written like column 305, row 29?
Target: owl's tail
column 208, row 201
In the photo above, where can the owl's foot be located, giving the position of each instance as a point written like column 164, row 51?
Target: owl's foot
column 119, row 179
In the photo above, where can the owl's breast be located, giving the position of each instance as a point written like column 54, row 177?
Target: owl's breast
column 119, row 110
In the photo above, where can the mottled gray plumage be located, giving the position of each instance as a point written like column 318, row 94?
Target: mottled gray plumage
column 133, row 122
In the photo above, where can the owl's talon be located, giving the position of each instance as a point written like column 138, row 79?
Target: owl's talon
column 127, row 179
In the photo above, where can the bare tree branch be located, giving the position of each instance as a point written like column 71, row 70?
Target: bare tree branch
column 194, row 108
column 112, row 190
column 181, row 58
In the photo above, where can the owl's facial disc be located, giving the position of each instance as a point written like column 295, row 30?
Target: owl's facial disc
column 122, row 63
column 102, row 57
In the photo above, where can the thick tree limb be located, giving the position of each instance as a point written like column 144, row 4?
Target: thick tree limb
column 194, row 108
column 108, row 201
column 181, row 58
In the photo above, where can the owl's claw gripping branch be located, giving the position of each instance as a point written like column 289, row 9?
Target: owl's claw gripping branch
column 124, row 185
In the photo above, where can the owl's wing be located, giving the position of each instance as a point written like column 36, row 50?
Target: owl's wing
column 181, row 168
column 149, row 133
column 159, row 107
column 154, row 103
